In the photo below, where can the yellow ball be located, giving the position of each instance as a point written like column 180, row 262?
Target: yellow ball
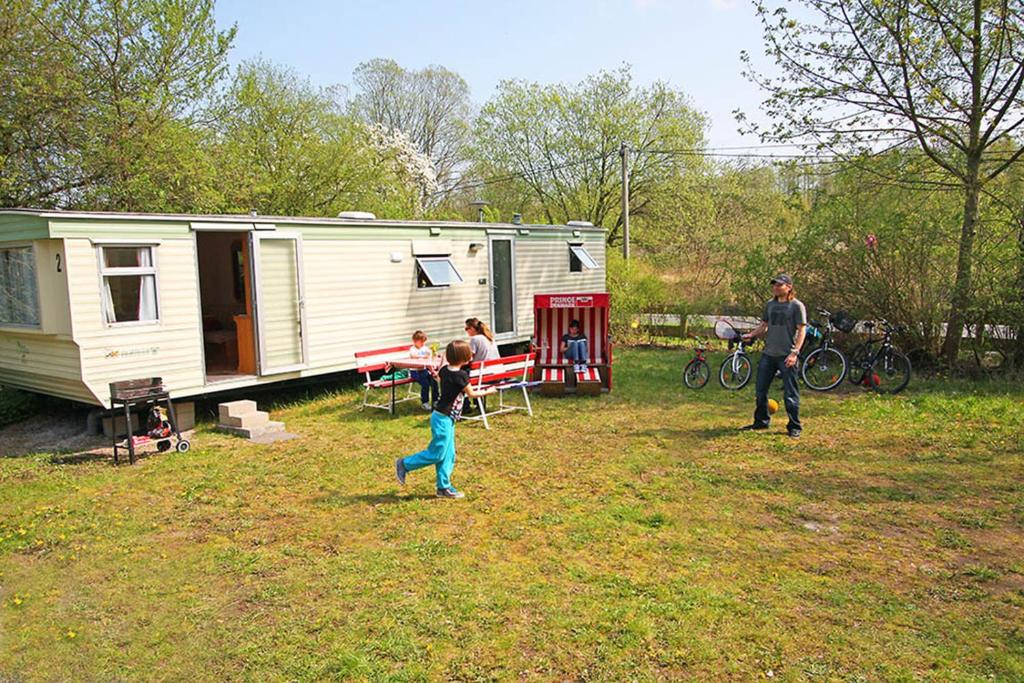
column 773, row 406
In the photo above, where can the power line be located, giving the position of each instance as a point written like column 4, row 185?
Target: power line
column 704, row 152
column 520, row 174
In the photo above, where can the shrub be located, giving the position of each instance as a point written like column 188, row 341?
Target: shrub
column 636, row 290
column 16, row 405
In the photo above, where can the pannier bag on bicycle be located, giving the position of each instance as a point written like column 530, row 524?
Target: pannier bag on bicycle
column 843, row 322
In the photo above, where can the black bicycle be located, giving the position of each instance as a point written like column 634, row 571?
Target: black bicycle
column 860, row 353
column 824, row 367
column 884, row 368
column 697, row 372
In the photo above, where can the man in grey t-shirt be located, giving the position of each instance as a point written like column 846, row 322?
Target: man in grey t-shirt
column 783, row 325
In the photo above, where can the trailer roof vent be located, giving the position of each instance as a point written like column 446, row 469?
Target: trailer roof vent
column 357, row 215
column 580, row 224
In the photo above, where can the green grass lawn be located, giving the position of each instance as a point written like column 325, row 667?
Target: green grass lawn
column 632, row 536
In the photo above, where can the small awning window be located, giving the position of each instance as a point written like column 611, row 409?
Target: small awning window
column 437, row 271
column 579, row 258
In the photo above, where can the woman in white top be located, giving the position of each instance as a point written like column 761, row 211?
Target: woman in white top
column 481, row 340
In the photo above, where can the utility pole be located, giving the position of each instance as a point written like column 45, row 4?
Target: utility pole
column 624, row 153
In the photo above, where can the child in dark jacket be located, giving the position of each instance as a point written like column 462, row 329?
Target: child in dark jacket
column 455, row 386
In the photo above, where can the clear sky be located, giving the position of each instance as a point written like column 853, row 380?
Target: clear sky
column 694, row 45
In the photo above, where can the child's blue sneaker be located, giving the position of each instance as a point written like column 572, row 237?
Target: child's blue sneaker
column 450, row 493
column 400, row 471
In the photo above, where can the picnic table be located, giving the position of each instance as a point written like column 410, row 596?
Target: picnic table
column 433, row 363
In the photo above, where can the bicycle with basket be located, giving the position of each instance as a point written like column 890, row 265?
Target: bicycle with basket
column 735, row 371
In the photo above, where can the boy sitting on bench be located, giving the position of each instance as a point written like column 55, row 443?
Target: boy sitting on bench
column 574, row 347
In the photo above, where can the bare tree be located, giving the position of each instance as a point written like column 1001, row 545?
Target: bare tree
column 942, row 75
column 431, row 106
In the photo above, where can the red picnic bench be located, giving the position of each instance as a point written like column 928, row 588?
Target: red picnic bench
column 508, row 373
column 377, row 361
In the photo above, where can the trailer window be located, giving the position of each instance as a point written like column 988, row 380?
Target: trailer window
column 436, row 271
column 129, row 284
column 580, row 258
column 19, row 298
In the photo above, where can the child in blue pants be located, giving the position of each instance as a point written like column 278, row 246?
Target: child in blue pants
column 428, row 385
column 574, row 347
column 455, row 386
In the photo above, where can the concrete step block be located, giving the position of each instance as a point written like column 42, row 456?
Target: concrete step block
column 235, row 409
column 254, row 433
column 240, row 431
column 185, row 411
column 118, row 424
column 253, row 420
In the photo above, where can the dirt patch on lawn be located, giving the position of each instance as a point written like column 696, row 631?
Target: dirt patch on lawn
column 55, row 433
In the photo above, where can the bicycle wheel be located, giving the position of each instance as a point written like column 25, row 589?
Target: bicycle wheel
column 696, row 374
column 890, row 372
column 824, row 369
column 735, row 371
column 857, row 358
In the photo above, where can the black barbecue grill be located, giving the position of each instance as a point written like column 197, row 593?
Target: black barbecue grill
column 134, row 393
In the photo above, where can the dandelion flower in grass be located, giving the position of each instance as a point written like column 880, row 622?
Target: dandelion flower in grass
column 70, row 635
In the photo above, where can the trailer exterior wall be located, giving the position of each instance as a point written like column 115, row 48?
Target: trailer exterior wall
column 356, row 295
column 355, row 298
column 170, row 348
column 43, row 358
column 542, row 267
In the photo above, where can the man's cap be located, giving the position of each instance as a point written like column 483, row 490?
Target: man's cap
column 783, row 279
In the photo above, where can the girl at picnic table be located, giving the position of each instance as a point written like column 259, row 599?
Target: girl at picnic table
column 428, row 385
column 455, row 386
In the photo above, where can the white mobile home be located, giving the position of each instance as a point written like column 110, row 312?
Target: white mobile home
column 212, row 303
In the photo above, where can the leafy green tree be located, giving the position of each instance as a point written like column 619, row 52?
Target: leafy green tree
column 702, row 224
column 41, row 109
column 556, row 147
column 289, row 148
column 102, row 97
column 944, row 76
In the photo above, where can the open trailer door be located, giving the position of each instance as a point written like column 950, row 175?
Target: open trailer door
column 280, row 307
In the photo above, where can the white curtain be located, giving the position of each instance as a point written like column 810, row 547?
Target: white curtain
column 19, row 296
column 108, row 302
column 147, row 297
